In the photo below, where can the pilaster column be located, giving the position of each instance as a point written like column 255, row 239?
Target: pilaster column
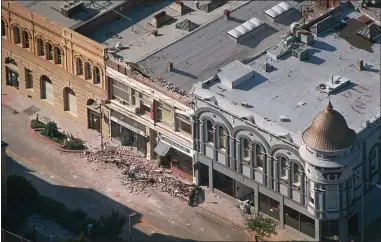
column 211, row 184
column 232, row 151
column 303, row 191
column 281, row 211
column 149, row 143
column 276, row 175
column 289, row 180
column 269, row 174
column 201, row 138
column 256, row 198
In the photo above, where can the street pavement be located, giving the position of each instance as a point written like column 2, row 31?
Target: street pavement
column 97, row 190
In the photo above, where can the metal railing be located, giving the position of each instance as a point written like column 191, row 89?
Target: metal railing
column 7, row 236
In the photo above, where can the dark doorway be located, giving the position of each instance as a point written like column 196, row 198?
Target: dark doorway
column 353, row 225
column 94, row 120
column 12, row 78
column 223, row 183
column 203, row 174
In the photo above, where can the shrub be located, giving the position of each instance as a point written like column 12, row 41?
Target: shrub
column 35, row 124
column 262, row 226
column 51, row 130
column 75, row 144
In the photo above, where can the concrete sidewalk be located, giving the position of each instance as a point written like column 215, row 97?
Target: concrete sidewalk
column 22, row 104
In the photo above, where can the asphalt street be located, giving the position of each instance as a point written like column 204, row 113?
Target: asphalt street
column 36, row 160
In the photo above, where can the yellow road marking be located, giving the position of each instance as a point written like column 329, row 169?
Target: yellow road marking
column 26, row 162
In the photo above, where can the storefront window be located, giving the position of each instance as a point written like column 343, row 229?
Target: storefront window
column 268, row 206
column 330, row 230
column 164, row 114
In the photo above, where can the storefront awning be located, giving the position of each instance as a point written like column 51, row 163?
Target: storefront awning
column 162, row 148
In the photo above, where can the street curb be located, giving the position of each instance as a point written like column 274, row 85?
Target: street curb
column 52, row 143
column 249, row 233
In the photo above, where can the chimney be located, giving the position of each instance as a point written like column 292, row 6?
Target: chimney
column 360, row 65
column 227, row 14
column 170, row 66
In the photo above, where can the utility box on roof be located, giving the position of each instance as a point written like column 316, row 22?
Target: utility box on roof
column 234, row 74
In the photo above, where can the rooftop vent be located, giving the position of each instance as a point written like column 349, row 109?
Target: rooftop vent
column 247, row 29
column 371, row 32
column 334, row 84
column 187, row 25
column 211, row 5
column 234, row 74
column 267, row 67
column 279, row 11
column 301, row 53
column 178, row 6
column 160, row 19
column 71, row 8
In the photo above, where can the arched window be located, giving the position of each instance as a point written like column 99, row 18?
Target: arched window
column 79, row 66
column 3, row 29
column 296, row 178
column 374, row 158
column 47, row 91
column 16, row 35
column 49, row 51
column 223, row 138
column 283, row 166
column 25, row 39
column 209, row 131
column 245, row 149
column 57, row 55
column 40, row 47
column 70, row 101
column 87, row 70
column 259, row 157
column 97, row 75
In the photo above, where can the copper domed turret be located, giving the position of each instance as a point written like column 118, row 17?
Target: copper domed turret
column 329, row 132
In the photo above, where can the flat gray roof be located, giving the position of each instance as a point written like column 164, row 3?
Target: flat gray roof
column 199, row 55
column 290, row 89
column 135, row 35
column 52, row 10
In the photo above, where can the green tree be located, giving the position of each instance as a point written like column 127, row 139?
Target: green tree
column 262, row 226
column 112, row 224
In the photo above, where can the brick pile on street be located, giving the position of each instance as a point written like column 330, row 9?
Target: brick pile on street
column 139, row 173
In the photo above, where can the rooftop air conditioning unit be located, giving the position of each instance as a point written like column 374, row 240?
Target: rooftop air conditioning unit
column 72, row 7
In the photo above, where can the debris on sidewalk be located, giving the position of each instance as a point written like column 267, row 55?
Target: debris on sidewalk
column 139, row 173
column 196, row 196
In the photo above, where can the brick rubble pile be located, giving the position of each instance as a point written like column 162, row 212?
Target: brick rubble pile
column 139, row 173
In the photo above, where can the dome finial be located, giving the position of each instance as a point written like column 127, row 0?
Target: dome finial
column 329, row 106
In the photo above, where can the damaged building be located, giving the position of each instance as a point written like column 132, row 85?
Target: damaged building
column 296, row 128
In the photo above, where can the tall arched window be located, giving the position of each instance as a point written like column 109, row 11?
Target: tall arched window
column 374, row 158
column 49, row 51
column 3, row 29
column 87, row 70
column 296, row 178
column 25, row 39
column 57, row 55
column 259, row 158
column 245, row 149
column 223, row 138
column 283, row 166
column 97, row 75
column 209, row 131
column 40, row 47
column 79, row 66
column 16, row 35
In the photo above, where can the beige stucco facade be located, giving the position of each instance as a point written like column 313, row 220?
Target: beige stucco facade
column 41, row 51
